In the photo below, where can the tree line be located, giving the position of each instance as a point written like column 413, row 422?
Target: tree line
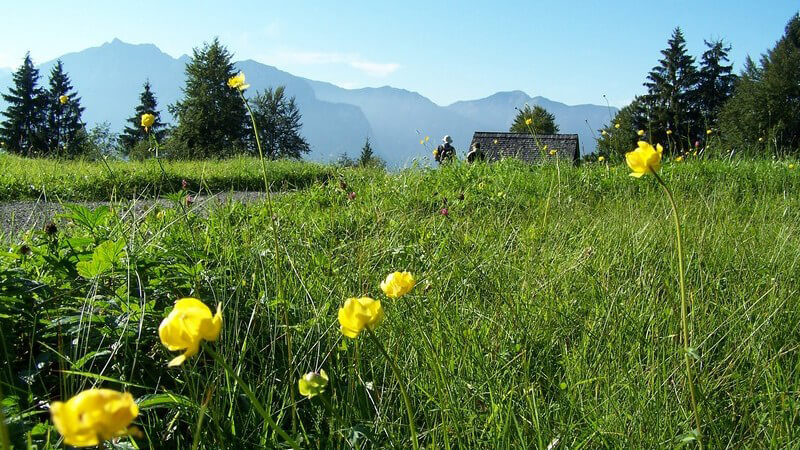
column 689, row 106
column 211, row 119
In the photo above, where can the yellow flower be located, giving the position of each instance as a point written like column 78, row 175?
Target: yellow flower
column 553, row 152
column 495, row 142
column 427, row 138
column 237, row 82
column 63, row 99
column 93, row 416
column 313, row 383
column 187, row 325
column 669, row 132
column 645, row 159
column 604, row 133
column 709, row 131
column 435, row 152
column 640, row 132
column 761, row 139
column 147, row 121
column 791, row 166
column 616, row 125
column 422, row 142
column 528, row 121
column 398, row 284
column 601, row 158
column 359, row 313
column 679, row 158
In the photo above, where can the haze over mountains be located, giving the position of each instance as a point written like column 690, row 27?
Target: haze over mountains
column 109, row 79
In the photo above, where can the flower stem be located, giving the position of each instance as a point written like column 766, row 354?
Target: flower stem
column 249, row 393
column 5, row 444
column 684, row 324
column 278, row 285
column 401, row 383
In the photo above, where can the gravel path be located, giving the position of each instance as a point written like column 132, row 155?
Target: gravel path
column 25, row 215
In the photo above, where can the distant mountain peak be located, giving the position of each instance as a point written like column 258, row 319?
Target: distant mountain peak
column 109, row 79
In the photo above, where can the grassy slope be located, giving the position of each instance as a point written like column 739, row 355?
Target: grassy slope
column 521, row 330
column 78, row 180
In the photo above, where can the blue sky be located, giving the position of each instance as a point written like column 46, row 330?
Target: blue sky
column 570, row 51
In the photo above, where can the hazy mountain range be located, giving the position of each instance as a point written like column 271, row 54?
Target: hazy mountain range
column 109, row 79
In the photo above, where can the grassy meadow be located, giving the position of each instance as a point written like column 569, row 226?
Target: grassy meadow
column 76, row 180
column 546, row 312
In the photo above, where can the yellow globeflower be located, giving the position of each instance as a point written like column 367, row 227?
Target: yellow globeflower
column 187, row 325
column 237, row 82
column 761, row 139
column 398, row 284
column 553, row 152
column 359, row 313
column 645, row 159
column 709, row 131
column 616, row 125
column 93, row 416
column 791, row 165
column 435, row 152
column 495, row 142
column 601, row 158
column 422, row 142
column 147, row 121
column 669, row 132
column 640, row 132
column 427, row 138
column 604, row 132
column 63, row 99
column 313, row 383
column 679, row 158
column 528, row 121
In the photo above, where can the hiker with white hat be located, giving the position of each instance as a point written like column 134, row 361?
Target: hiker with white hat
column 445, row 152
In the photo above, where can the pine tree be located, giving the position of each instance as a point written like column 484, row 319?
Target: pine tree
column 716, row 81
column 542, row 122
column 212, row 120
column 764, row 111
column 134, row 133
column 25, row 118
column 367, row 154
column 278, row 121
column 63, row 127
column 672, row 96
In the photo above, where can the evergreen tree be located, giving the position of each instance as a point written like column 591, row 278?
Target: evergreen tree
column 368, row 157
column 278, row 121
column 715, row 80
column 212, row 120
column 366, row 154
column 25, row 115
column 672, row 93
column 542, row 122
column 63, row 111
column 765, row 105
column 133, row 132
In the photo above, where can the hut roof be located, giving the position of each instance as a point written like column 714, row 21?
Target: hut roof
column 527, row 147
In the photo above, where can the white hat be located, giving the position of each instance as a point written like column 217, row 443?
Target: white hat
column 447, row 139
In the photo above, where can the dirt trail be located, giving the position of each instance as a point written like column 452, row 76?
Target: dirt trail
column 25, row 215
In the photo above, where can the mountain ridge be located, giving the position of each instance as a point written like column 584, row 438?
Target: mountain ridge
column 109, row 78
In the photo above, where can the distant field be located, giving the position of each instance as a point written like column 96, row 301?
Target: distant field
column 77, row 180
column 547, row 305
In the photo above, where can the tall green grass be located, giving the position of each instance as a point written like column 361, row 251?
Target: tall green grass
column 74, row 180
column 521, row 331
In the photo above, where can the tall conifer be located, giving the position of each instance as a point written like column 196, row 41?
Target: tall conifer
column 25, row 116
column 133, row 132
column 212, row 120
